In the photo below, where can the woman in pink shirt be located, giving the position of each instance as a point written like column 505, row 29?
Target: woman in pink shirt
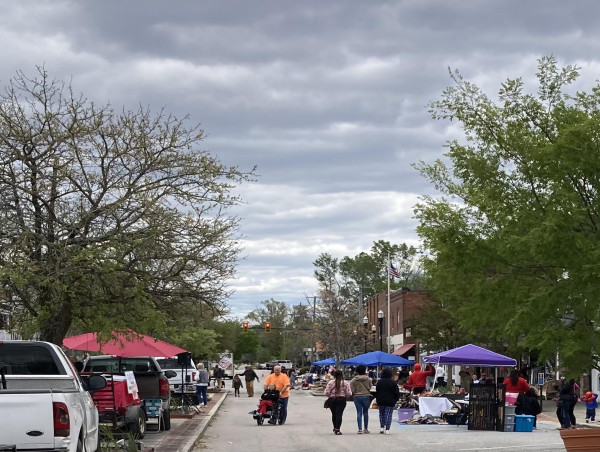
column 338, row 390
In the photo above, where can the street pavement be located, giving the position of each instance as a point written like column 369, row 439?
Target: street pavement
column 308, row 428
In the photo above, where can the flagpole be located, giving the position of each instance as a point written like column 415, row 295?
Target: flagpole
column 388, row 304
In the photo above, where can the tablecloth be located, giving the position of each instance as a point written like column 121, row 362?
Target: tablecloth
column 433, row 405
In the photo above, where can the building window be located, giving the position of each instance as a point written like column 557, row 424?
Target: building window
column 407, row 332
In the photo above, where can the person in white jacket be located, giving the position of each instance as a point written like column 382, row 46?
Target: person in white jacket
column 440, row 376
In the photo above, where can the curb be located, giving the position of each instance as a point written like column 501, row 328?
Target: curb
column 188, row 445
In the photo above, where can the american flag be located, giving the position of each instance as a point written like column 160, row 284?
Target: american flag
column 394, row 272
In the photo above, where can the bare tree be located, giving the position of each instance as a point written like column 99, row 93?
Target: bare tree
column 109, row 218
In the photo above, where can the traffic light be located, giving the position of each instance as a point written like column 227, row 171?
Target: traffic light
column 267, row 327
column 245, row 326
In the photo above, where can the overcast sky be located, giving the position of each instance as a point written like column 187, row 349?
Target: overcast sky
column 328, row 98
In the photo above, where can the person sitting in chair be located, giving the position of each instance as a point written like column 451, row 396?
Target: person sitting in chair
column 267, row 401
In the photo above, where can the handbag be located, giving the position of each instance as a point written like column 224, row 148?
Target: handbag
column 368, row 389
column 326, row 403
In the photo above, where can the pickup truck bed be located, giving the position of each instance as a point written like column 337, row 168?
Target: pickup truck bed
column 44, row 404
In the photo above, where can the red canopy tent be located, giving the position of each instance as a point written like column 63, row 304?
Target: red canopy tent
column 129, row 344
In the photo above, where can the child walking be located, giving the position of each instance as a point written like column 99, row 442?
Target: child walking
column 237, row 384
column 591, row 403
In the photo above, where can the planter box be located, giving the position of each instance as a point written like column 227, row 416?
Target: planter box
column 581, row 439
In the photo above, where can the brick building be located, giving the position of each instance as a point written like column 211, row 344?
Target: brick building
column 404, row 305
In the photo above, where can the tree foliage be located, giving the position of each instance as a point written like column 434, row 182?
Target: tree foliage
column 110, row 219
column 514, row 235
column 342, row 280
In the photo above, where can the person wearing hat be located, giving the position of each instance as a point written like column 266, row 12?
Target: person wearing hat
column 249, row 376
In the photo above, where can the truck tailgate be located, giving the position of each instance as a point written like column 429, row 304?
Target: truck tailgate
column 27, row 420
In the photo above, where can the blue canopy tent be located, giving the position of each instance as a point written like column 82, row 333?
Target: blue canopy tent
column 325, row 362
column 377, row 358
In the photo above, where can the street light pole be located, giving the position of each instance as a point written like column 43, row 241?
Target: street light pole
column 373, row 331
column 365, row 322
column 380, row 317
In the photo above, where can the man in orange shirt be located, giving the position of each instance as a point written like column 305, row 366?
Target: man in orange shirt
column 282, row 384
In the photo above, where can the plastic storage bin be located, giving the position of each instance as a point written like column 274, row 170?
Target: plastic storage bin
column 509, row 427
column 509, row 418
column 523, row 423
column 405, row 413
column 508, row 409
column 511, row 398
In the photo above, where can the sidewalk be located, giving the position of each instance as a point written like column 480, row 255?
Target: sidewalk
column 184, row 431
column 548, row 414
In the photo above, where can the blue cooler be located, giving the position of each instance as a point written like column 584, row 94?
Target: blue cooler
column 524, row 423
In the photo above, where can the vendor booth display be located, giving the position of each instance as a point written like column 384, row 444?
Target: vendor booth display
column 486, row 401
column 471, row 355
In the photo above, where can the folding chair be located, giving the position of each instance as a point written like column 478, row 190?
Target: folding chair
column 154, row 410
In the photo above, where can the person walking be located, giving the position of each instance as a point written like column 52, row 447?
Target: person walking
column 202, row 385
column 361, row 391
column 282, row 384
column 249, row 376
column 237, row 384
column 338, row 391
column 591, row 403
column 217, row 375
column 387, row 395
column 566, row 393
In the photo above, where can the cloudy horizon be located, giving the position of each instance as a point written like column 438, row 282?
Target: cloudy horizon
column 328, row 100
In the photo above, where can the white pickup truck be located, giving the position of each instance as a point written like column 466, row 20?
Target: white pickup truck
column 44, row 404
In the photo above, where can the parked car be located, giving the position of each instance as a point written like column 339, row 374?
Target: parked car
column 152, row 381
column 44, row 403
column 185, row 376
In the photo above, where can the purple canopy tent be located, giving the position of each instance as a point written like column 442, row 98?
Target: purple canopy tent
column 471, row 355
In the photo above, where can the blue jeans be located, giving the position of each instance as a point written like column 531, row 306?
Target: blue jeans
column 201, row 395
column 566, row 416
column 283, row 403
column 362, row 404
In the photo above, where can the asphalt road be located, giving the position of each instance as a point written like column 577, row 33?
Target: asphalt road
column 308, row 428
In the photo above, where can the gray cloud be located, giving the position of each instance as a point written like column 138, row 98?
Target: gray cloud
column 327, row 98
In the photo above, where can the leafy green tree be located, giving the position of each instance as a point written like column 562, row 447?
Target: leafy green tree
column 272, row 344
column 246, row 348
column 514, row 236
column 110, row 219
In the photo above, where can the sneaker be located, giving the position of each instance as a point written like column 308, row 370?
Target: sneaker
column 366, row 432
column 587, row 421
column 338, row 432
column 381, row 430
column 387, row 432
column 360, row 432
